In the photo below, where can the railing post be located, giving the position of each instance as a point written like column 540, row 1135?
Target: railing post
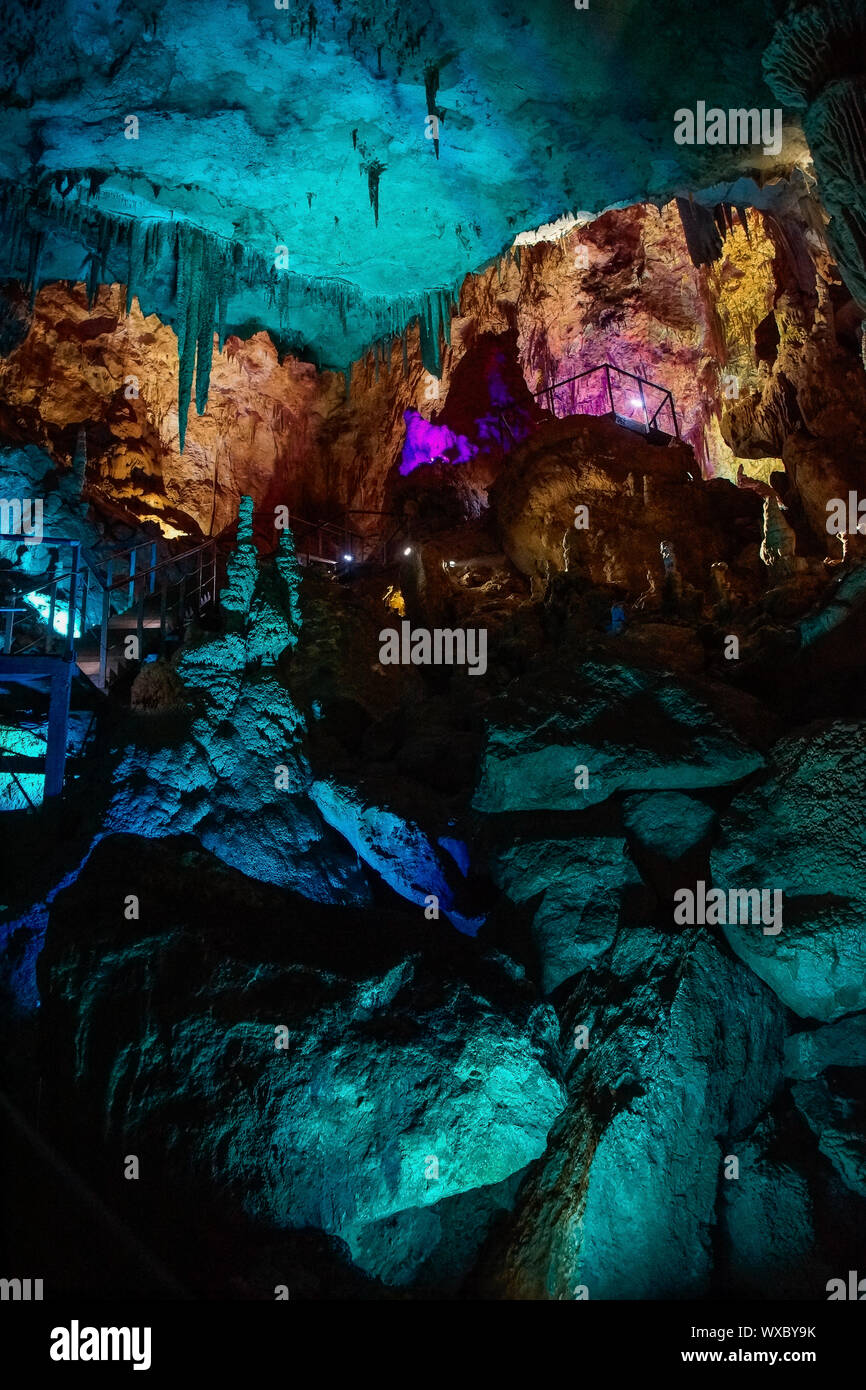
column 609, row 387
column 152, row 566
column 49, row 636
column 10, row 623
column 58, row 725
column 103, row 634
column 132, row 555
column 140, row 626
column 85, row 591
column 643, row 403
column 73, row 601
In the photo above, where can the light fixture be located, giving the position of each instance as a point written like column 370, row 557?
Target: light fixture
column 408, row 550
column 636, row 403
column 348, row 558
column 452, row 563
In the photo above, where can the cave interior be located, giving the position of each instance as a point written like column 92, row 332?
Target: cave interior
column 433, row 625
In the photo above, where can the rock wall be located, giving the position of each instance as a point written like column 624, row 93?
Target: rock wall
column 759, row 351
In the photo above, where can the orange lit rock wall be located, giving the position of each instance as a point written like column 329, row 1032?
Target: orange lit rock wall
column 743, row 345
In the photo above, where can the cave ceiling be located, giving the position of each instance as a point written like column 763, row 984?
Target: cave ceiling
column 306, row 128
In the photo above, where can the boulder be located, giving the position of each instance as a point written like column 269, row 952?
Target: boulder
column 318, row 1069
column 633, row 729
column 683, row 1051
column 803, row 831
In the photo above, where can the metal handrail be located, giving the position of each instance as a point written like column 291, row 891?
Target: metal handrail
column 549, row 392
column 175, row 590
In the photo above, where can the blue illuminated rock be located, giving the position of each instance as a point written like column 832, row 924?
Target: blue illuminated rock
column 667, row 824
column 683, row 1052
column 633, row 730
column 415, row 1069
column 767, row 1214
column 836, row 1119
column 803, row 831
column 843, row 1043
column 582, row 885
column 395, row 846
column 233, row 772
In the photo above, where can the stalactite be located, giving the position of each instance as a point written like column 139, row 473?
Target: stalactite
column 106, row 239
column 202, row 267
column 445, row 315
column 429, row 328
column 34, row 252
column 701, row 232
column 815, row 63
column 374, row 173
column 188, row 276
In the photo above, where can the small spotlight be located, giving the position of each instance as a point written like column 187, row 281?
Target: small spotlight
column 408, row 550
column 452, row 563
column 348, row 559
column 636, row 403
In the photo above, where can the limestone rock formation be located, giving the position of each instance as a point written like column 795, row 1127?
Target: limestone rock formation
column 797, row 832
column 624, row 1203
column 363, row 1095
column 666, row 739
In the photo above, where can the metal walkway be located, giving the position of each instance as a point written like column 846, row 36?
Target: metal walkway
column 631, row 401
column 95, row 615
column 76, row 616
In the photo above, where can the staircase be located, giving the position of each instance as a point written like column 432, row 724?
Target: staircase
column 87, row 616
column 631, row 401
column 79, row 622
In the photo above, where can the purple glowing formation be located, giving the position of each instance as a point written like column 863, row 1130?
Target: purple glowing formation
column 426, row 443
